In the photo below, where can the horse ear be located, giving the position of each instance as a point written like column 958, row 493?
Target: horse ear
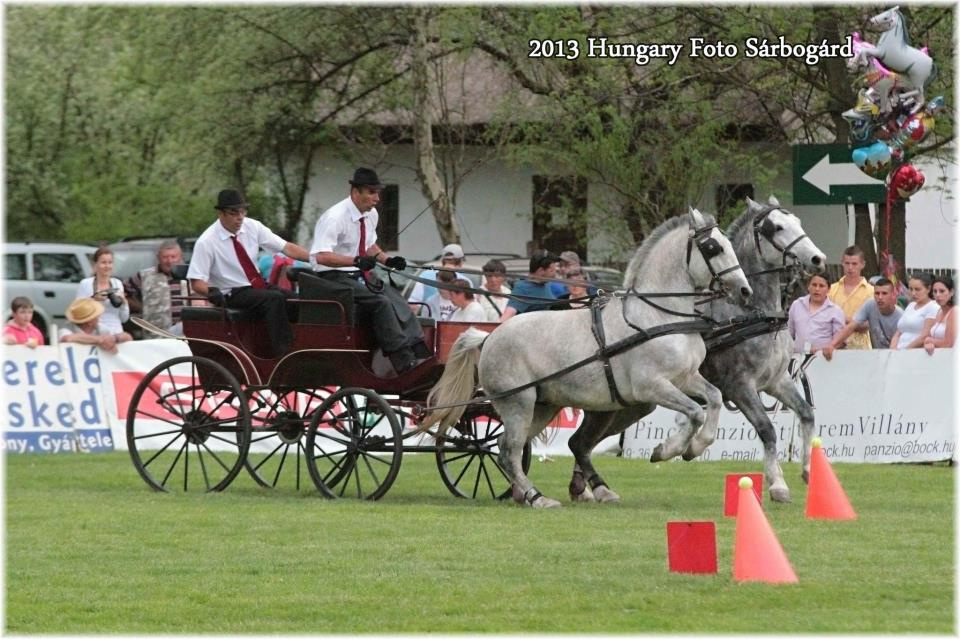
column 773, row 201
column 696, row 218
column 751, row 205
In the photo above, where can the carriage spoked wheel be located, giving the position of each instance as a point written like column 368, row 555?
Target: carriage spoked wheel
column 279, row 424
column 188, row 426
column 467, row 457
column 354, row 445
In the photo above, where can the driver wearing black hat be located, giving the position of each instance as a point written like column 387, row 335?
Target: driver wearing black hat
column 346, row 251
column 222, row 267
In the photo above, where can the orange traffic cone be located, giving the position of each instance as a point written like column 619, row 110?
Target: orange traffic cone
column 757, row 554
column 825, row 496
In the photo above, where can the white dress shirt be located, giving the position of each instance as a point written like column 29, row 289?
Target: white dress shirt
column 338, row 231
column 215, row 261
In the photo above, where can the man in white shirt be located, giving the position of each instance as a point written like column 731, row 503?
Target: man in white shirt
column 343, row 260
column 222, row 267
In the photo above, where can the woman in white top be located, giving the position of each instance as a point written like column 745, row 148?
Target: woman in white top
column 107, row 290
column 918, row 316
column 468, row 309
column 944, row 328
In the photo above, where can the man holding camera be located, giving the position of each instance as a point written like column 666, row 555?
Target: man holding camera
column 345, row 252
column 222, row 267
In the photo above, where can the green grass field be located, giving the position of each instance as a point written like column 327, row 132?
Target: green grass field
column 90, row 549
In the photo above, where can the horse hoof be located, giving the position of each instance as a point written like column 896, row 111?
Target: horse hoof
column 806, row 476
column 585, row 496
column 657, row 454
column 545, row 502
column 606, row 496
column 781, row 495
column 688, row 455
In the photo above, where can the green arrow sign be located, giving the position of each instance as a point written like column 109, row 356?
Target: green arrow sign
column 825, row 174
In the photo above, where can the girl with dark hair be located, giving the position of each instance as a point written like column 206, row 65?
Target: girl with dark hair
column 944, row 329
column 919, row 315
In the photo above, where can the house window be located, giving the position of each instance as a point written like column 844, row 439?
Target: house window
column 730, row 197
column 389, row 210
column 560, row 214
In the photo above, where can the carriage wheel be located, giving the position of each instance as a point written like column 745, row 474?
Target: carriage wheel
column 278, row 438
column 467, row 458
column 188, row 426
column 354, row 445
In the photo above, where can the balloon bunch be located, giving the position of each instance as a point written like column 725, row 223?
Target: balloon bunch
column 891, row 115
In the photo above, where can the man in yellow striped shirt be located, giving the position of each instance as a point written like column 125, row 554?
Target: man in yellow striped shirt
column 850, row 292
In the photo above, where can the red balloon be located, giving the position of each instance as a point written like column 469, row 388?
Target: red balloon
column 906, row 180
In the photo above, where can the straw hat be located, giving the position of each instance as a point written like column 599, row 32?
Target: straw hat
column 83, row 310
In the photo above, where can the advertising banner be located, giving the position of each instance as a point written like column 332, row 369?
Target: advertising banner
column 52, row 400
column 124, row 371
column 869, row 406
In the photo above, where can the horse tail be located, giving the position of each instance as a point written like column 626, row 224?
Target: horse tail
column 457, row 383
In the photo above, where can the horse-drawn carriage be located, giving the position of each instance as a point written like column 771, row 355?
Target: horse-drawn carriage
column 195, row 422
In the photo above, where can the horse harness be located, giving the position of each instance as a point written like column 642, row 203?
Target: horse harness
column 709, row 248
column 716, row 336
column 766, row 228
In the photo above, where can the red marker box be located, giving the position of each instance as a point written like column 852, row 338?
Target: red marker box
column 692, row 547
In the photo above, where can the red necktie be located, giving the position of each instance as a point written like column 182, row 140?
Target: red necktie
column 362, row 248
column 256, row 280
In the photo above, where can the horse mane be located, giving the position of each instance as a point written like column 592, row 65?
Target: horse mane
column 643, row 251
column 737, row 226
column 904, row 25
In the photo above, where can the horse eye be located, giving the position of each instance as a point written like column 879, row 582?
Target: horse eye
column 777, row 228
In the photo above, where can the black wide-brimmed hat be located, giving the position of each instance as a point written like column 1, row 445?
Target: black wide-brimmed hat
column 230, row 199
column 366, row 177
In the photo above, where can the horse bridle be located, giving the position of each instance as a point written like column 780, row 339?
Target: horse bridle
column 766, row 228
column 709, row 248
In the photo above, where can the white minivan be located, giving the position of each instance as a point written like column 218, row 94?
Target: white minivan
column 46, row 273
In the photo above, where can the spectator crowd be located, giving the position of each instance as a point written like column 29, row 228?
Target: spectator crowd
column 851, row 313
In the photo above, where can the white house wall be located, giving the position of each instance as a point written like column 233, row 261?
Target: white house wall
column 494, row 206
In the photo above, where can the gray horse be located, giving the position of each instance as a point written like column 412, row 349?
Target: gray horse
column 683, row 254
column 764, row 237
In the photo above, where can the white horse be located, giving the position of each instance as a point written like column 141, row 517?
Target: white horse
column 894, row 51
column 764, row 238
column 682, row 255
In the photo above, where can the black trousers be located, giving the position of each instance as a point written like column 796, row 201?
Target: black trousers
column 270, row 305
column 395, row 327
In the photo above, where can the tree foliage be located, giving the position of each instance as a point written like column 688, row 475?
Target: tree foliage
column 127, row 119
